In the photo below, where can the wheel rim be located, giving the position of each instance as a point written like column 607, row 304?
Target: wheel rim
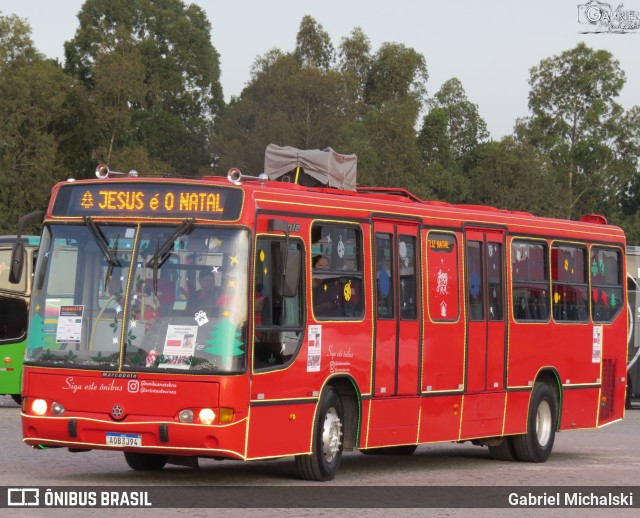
column 331, row 435
column 544, row 423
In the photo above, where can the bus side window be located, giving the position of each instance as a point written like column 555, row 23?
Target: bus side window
column 530, row 274
column 13, row 318
column 606, row 284
column 277, row 320
column 336, row 272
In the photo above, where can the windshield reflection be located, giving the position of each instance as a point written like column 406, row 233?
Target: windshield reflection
column 159, row 298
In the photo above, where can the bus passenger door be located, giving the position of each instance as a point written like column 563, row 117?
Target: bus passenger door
column 397, row 308
column 485, row 296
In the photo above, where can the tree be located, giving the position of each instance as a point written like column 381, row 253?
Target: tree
column 513, row 175
column 451, row 131
column 313, row 45
column 153, row 76
column 35, row 114
column 396, row 73
column 354, row 66
column 628, row 171
column 574, row 119
column 16, row 46
column 285, row 103
column 452, row 128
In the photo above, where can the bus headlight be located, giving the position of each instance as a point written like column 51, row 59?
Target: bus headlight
column 39, row 406
column 206, row 416
column 57, row 408
column 186, row 416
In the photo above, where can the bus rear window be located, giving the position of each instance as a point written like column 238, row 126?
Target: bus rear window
column 606, row 283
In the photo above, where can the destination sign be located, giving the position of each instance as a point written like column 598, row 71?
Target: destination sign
column 160, row 200
column 440, row 242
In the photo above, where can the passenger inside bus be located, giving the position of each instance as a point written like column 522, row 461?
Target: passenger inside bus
column 326, row 297
column 207, row 295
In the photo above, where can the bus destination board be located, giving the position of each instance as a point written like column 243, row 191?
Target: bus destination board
column 160, row 200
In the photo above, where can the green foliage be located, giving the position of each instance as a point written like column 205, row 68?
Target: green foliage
column 396, row 73
column 451, row 131
column 575, row 120
column 365, row 104
column 34, row 114
column 16, row 47
column 140, row 90
column 313, row 45
column 513, row 175
column 153, row 77
column 285, row 103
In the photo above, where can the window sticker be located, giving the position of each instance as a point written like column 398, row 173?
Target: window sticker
column 597, row 344
column 69, row 324
column 315, row 348
column 180, row 340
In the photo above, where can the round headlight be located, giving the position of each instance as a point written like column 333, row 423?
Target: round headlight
column 206, row 416
column 186, row 416
column 39, row 406
column 57, row 408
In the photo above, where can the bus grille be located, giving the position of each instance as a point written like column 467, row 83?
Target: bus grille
column 607, row 399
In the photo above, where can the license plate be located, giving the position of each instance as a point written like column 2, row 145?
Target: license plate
column 124, row 439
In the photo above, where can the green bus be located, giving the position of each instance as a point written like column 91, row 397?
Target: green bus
column 14, row 311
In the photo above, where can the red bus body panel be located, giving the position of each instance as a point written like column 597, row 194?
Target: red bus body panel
column 429, row 380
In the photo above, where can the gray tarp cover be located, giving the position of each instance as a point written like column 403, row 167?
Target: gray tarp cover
column 326, row 166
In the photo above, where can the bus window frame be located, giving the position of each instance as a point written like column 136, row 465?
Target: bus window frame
column 557, row 245
column 620, row 285
column 546, row 282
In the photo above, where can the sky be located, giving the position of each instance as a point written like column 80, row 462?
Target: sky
column 489, row 46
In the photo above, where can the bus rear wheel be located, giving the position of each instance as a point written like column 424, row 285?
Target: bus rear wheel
column 326, row 451
column 145, row 461
column 536, row 444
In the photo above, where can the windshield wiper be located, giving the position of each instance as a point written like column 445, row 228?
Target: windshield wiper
column 163, row 251
column 109, row 255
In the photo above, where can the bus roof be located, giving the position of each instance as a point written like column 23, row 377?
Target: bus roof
column 278, row 196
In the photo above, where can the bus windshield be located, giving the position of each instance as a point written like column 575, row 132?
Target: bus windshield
column 140, row 298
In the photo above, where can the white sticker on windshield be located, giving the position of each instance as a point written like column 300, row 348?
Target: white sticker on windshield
column 69, row 324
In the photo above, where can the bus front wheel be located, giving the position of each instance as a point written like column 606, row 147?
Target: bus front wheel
column 326, row 451
column 17, row 398
column 145, row 461
column 536, row 444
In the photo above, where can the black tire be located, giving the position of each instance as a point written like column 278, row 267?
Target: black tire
column 17, row 398
column 537, row 443
column 326, row 451
column 627, row 399
column 145, row 461
column 407, row 449
column 504, row 451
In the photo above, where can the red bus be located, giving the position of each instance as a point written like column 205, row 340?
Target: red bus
column 251, row 318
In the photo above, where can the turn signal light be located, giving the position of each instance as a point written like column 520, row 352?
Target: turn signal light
column 226, row 415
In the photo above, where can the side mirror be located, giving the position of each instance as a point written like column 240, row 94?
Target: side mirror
column 290, row 263
column 17, row 253
column 17, row 262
